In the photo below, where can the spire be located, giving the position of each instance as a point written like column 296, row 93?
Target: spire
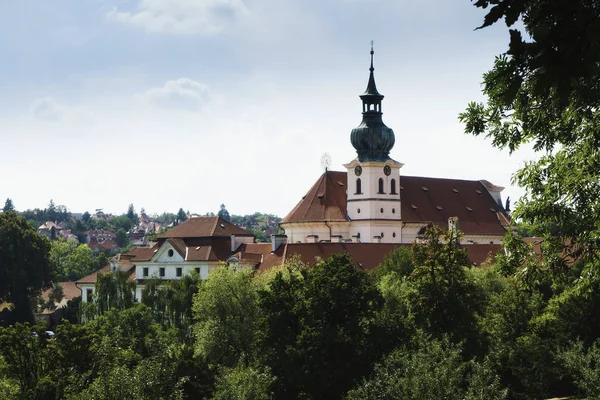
column 371, row 87
column 372, row 139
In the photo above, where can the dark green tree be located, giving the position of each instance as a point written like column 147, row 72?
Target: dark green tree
column 319, row 334
column 85, row 217
column 181, row 216
column 122, row 238
column 8, row 205
column 223, row 213
column 133, row 217
column 440, row 295
column 25, row 267
column 544, row 90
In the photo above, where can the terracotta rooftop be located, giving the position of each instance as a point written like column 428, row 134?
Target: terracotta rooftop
column 325, row 201
column 369, row 255
column 424, row 200
column 197, row 227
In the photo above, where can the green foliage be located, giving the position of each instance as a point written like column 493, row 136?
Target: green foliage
column 181, row 216
column 25, row 267
column 122, row 222
column 122, row 238
column 326, row 313
column 434, row 370
column 261, row 225
column 8, row 206
column 223, row 213
column 72, row 261
column 544, row 91
column 584, row 365
column 171, row 302
column 131, row 214
column 225, row 309
column 244, row 383
column 399, row 262
column 440, row 296
column 8, row 386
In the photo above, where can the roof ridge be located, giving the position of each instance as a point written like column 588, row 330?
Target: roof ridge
column 214, row 228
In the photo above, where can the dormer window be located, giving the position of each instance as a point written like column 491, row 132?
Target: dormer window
column 358, row 186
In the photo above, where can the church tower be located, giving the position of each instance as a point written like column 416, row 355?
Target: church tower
column 373, row 199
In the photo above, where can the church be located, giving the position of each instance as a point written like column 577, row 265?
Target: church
column 366, row 211
column 371, row 202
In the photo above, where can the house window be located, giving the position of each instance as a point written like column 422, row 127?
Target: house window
column 358, row 186
column 393, row 186
column 198, row 271
column 88, row 294
column 145, row 271
column 381, row 186
column 178, row 271
column 161, row 272
column 170, row 252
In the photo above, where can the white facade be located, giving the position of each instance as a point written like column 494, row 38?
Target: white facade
column 373, row 201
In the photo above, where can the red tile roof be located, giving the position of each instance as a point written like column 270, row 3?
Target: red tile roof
column 70, row 291
column 197, row 227
column 325, row 201
column 369, row 255
column 478, row 214
column 424, row 200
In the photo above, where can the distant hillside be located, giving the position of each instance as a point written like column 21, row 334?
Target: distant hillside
column 262, row 225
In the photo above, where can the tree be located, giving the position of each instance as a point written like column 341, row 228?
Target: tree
column 8, row 205
column 544, row 91
column 226, row 311
column 132, row 215
column 440, row 296
column 322, row 320
column 51, row 212
column 25, row 267
column 122, row 238
column 72, row 261
column 434, row 370
column 181, row 216
column 122, row 222
column 86, row 216
column 223, row 213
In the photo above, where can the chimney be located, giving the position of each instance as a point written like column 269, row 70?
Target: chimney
column 276, row 241
column 453, row 224
column 312, row 239
column 337, row 238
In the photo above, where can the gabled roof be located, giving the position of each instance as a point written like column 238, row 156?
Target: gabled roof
column 436, row 199
column 325, row 201
column 124, row 265
column 365, row 255
column 197, row 227
column 424, row 200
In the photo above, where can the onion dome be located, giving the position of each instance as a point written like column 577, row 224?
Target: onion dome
column 372, row 139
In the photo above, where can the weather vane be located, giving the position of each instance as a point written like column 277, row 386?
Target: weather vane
column 325, row 161
column 372, row 43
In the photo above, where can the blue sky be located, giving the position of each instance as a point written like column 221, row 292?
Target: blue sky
column 194, row 103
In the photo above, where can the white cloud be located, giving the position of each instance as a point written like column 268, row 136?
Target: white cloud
column 47, row 109
column 183, row 17
column 182, row 93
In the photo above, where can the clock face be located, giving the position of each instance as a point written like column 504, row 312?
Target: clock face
column 387, row 170
column 358, row 170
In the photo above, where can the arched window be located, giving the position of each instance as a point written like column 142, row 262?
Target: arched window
column 393, row 186
column 381, row 186
column 358, row 186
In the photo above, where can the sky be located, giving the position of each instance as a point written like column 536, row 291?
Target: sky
column 194, row 103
